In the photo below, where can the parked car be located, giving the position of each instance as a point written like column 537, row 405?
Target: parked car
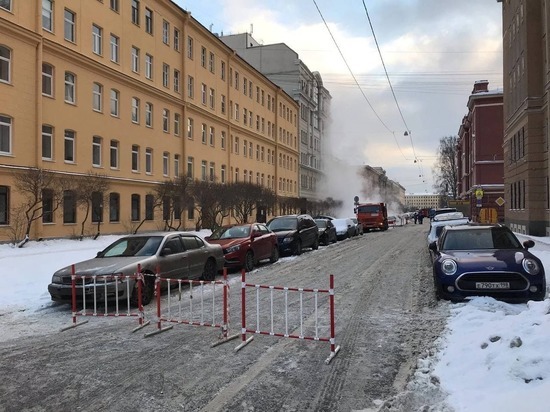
column 392, row 220
column 244, row 245
column 324, row 217
column 295, row 233
column 486, row 260
column 327, row 231
column 345, row 228
column 358, row 226
column 174, row 255
column 437, row 226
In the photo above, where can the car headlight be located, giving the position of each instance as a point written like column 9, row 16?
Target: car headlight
column 530, row 266
column 56, row 279
column 287, row 240
column 448, row 266
column 233, row 248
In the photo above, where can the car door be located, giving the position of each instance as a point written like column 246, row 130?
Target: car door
column 173, row 260
column 197, row 254
column 261, row 241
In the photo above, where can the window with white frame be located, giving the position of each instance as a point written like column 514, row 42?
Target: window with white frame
column 148, row 160
column 190, row 167
column 148, row 114
column 223, row 171
column 211, row 136
column 203, row 93
column 5, row 134
column 97, row 97
column 135, row 11
column 212, row 98
column 47, row 142
column 190, row 87
column 47, row 79
column 114, row 103
column 114, row 5
column 97, row 39
column 70, row 88
column 113, row 154
column 222, row 71
column 203, row 56
column 69, row 146
column 96, row 151
column 203, row 133
column 115, row 43
column 203, row 170
column 5, row 4
column 47, row 15
column 176, row 40
column 69, row 28
column 165, row 32
column 190, row 124
column 177, row 77
column 165, row 75
column 177, row 122
column 176, row 165
column 148, row 66
column 211, row 171
column 165, row 163
column 135, row 59
column 135, row 110
column 222, row 140
column 212, row 63
column 135, row 158
column 148, row 21
column 166, row 120
column 190, row 51
column 222, row 104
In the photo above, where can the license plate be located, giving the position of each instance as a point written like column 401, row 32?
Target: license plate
column 492, row 285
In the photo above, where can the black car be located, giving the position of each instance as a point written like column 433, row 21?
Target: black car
column 327, row 231
column 295, row 233
column 486, row 260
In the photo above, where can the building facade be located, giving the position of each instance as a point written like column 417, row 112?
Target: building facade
column 283, row 66
column 526, row 112
column 480, row 155
column 427, row 201
column 377, row 187
column 138, row 92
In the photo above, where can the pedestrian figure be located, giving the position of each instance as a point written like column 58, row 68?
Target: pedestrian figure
column 420, row 218
column 415, row 217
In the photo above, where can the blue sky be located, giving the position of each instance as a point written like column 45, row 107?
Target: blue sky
column 434, row 51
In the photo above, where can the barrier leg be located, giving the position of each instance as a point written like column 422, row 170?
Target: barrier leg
column 333, row 348
column 73, row 302
column 160, row 329
column 244, row 340
column 225, row 328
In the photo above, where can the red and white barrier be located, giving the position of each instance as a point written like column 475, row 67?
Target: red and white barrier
column 316, row 336
column 209, row 311
column 101, row 308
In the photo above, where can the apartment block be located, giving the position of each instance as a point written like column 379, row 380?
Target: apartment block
column 138, row 92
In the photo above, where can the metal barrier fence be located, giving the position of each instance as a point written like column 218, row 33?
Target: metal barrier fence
column 286, row 334
column 206, row 312
column 94, row 285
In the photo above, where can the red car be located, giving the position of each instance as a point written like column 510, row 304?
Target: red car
column 244, row 245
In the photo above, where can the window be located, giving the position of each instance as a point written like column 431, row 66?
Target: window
column 148, row 160
column 222, row 174
column 212, row 98
column 96, row 151
column 203, row 170
column 165, row 163
column 97, row 39
column 148, row 114
column 69, row 146
column 222, row 71
column 190, row 87
column 135, row 59
column 203, row 93
column 166, row 120
column 149, row 66
column 190, row 167
column 47, row 15
column 135, row 158
column 114, row 48
column 165, row 75
column 203, row 56
column 135, row 215
column 114, row 207
column 176, row 81
column 211, row 136
column 97, row 97
column 190, row 47
column 148, row 21
column 135, row 11
column 69, row 207
column 47, row 142
column 149, row 207
column 222, row 140
column 190, row 123
column 47, row 206
column 47, row 77
column 114, row 102
column 5, row 4
column 176, row 40
column 212, row 63
column 69, row 26
column 177, row 122
column 176, row 165
column 135, row 110
column 114, row 154
column 70, row 84
column 203, row 133
column 211, row 171
column 114, row 5
column 5, row 134
column 97, row 207
column 222, row 104
column 165, row 32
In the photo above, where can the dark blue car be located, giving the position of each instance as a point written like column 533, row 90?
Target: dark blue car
column 486, row 260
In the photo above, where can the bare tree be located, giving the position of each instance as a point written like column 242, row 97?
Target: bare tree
column 212, row 202
column 42, row 192
column 445, row 169
column 173, row 197
column 89, row 190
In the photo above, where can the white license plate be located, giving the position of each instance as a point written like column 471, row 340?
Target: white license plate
column 492, row 285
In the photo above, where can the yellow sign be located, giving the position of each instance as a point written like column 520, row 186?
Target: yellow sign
column 500, row 201
column 479, row 193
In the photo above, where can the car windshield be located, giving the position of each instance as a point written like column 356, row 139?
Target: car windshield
column 474, row 239
column 280, row 224
column 321, row 223
column 234, row 232
column 133, row 246
column 368, row 209
column 340, row 223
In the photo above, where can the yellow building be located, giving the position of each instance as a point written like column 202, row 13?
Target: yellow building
column 136, row 91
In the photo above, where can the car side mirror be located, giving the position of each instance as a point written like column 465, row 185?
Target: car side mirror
column 433, row 246
column 528, row 244
column 207, row 238
column 99, row 254
column 166, row 251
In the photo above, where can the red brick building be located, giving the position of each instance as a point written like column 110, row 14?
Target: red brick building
column 480, row 155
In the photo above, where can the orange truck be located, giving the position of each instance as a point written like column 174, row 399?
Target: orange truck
column 372, row 215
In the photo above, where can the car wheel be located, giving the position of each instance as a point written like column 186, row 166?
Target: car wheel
column 209, row 272
column 147, row 289
column 297, row 248
column 326, row 240
column 249, row 261
column 274, row 255
column 315, row 244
